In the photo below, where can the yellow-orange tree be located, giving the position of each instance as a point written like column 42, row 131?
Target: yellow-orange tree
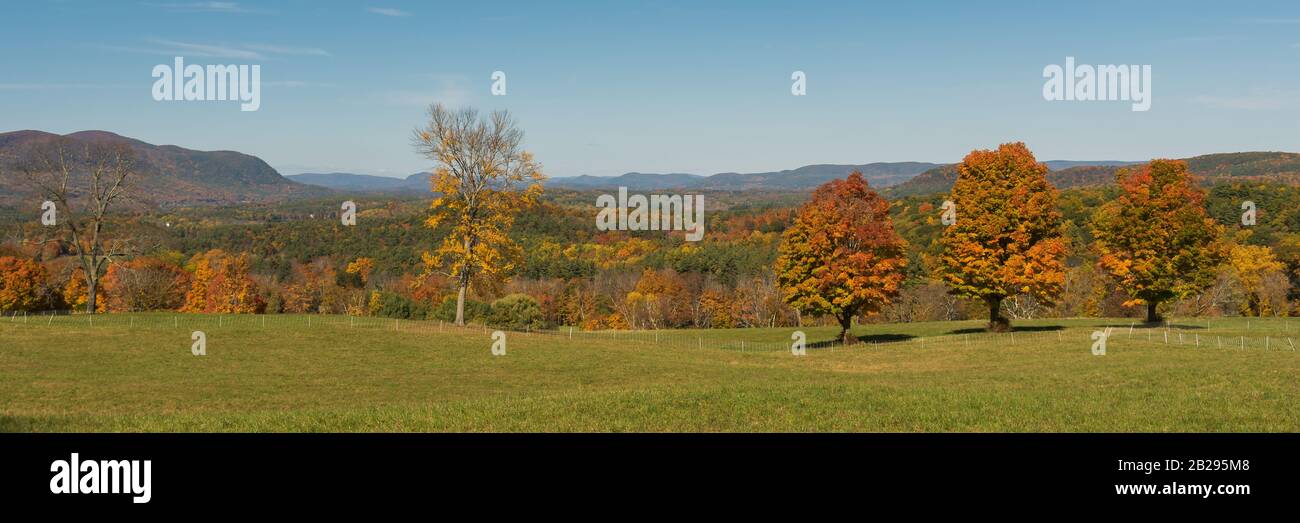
column 1155, row 239
column 483, row 179
column 21, row 282
column 841, row 256
column 1006, row 240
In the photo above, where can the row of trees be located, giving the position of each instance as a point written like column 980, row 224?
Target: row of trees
column 842, row 256
column 837, row 257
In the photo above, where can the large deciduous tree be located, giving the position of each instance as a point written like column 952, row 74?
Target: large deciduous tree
column 1007, row 238
column 1156, row 239
column 84, row 180
column 483, row 178
column 841, row 256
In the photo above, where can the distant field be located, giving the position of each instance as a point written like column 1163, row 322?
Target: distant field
column 134, row 372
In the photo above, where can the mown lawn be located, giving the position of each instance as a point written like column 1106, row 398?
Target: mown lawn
column 135, row 373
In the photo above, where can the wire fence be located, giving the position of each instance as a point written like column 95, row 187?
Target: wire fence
column 1184, row 334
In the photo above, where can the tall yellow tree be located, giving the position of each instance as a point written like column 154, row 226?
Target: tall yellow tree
column 1254, row 266
column 1007, row 239
column 483, row 178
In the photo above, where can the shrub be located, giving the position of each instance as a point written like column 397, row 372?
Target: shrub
column 474, row 310
column 517, row 311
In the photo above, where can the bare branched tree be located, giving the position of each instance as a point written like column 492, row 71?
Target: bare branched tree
column 483, row 179
column 83, row 180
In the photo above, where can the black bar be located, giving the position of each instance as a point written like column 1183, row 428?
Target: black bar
column 483, row 470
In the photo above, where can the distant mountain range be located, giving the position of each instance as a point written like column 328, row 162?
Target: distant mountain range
column 879, row 175
column 171, row 176
column 1211, row 168
column 364, row 182
column 167, row 175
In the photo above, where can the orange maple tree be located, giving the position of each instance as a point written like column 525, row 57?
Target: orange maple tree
column 1007, row 239
column 21, row 282
column 1156, row 240
column 841, row 256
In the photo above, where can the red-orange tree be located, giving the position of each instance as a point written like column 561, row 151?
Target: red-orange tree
column 1007, row 238
column 841, row 256
column 1156, row 240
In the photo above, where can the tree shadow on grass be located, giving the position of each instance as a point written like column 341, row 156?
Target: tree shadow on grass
column 1161, row 325
column 1028, row 328
column 866, row 338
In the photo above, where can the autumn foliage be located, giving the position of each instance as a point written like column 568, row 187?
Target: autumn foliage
column 483, row 179
column 1007, row 237
column 842, row 256
column 145, row 284
column 21, row 282
column 222, row 284
column 1156, row 240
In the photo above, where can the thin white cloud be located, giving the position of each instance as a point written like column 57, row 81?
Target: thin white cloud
column 296, row 83
column 1269, row 20
column 205, row 7
column 1254, row 100
column 48, row 86
column 287, row 50
column 160, row 46
column 214, row 50
column 451, row 90
column 388, row 11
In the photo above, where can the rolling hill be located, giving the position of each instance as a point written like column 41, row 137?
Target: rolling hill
column 1212, row 168
column 802, row 178
column 168, row 175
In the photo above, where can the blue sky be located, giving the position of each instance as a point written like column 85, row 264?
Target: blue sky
column 609, row 87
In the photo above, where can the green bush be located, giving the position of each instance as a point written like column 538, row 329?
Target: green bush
column 518, row 312
column 474, row 310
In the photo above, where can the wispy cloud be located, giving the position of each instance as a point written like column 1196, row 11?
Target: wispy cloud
column 452, row 90
column 1260, row 99
column 214, row 50
column 296, row 83
column 161, row 46
column 205, row 7
column 1204, row 39
column 287, row 50
column 387, row 11
column 1269, row 20
column 49, row 86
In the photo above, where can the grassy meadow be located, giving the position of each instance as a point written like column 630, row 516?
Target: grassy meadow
column 135, row 372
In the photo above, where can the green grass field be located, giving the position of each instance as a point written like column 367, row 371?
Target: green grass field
column 135, row 372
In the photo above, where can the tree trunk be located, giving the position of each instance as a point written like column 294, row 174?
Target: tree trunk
column 460, row 306
column 996, row 322
column 846, row 327
column 91, row 284
column 1152, row 317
